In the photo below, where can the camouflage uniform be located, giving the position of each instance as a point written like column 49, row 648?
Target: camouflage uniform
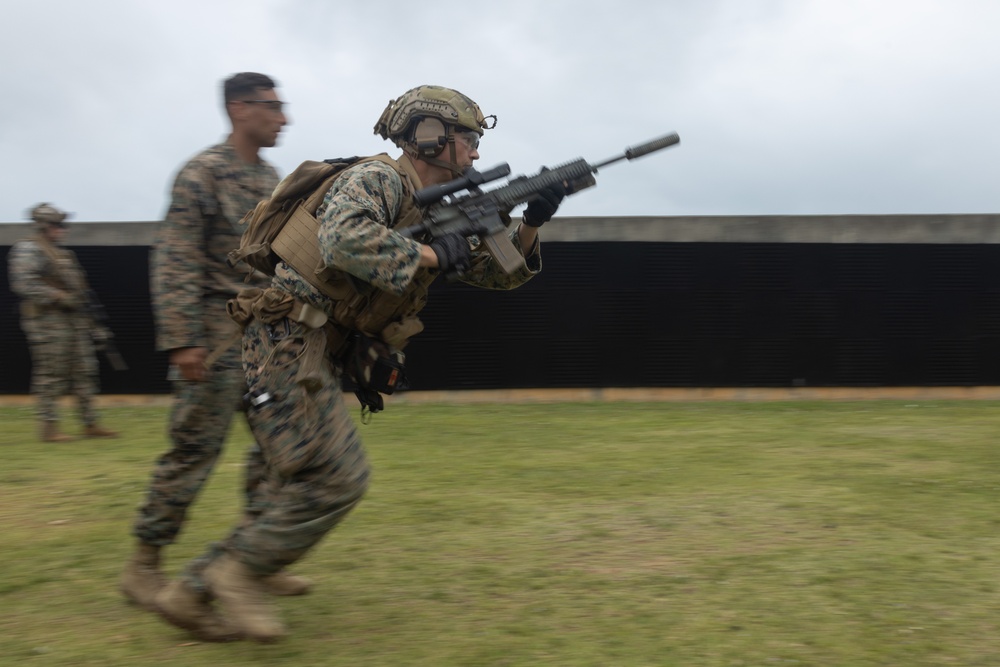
column 309, row 440
column 190, row 283
column 52, row 286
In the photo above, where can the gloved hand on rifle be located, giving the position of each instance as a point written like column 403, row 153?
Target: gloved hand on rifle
column 453, row 253
column 541, row 209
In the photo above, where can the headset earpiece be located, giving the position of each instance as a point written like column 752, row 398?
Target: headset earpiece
column 430, row 137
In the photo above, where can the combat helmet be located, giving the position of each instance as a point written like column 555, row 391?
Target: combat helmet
column 422, row 121
column 47, row 214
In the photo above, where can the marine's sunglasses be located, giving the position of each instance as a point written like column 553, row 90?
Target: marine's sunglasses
column 271, row 105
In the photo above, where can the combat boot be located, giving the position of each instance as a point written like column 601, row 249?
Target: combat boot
column 50, row 433
column 243, row 598
column 285, row 584
column 95, row 431
column 183, row 607
column 142, row 578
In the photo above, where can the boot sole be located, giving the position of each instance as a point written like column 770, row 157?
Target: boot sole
column 194, row 628
column 265, row 639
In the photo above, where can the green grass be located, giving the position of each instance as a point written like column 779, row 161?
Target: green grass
column 688, row 534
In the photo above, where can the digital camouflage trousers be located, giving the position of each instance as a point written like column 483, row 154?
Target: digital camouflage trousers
column 317, row 469
column 63, row 362
column 200, row 417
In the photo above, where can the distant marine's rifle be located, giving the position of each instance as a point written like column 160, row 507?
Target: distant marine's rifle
column 104, row 339
column 481, row 214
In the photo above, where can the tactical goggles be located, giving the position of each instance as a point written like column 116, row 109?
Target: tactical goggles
column 469, row 138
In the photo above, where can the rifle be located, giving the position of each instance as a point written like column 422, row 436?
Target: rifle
column 105, row 342
column 481, row 214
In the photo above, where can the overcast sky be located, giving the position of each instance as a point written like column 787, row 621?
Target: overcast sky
column 783, row 107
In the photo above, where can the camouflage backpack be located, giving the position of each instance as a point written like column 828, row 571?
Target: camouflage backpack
column 298, row 195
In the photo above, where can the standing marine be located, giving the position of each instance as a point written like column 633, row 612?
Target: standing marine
column 56, row 320
column 190, row 284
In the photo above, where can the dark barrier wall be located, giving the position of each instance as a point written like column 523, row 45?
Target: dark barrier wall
column 723, row 314
column 120, row 277
column 655, row 313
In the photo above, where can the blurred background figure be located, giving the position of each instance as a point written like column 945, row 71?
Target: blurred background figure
column 56, row 320
column 190, row 282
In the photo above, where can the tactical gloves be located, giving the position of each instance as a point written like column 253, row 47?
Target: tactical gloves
column 453, row 253
column 541, row 209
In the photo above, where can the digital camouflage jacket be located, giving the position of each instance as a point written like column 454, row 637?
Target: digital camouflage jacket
column 354, row 236
column 190, row 280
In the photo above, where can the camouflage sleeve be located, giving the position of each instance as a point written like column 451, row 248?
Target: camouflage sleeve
column 178, row 262
column 26, row 266
column 354, row 236
column 488, row 274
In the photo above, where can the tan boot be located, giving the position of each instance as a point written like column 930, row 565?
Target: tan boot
column 142, row 578
column 244, row 599
column 285, row 584
column 50, row 433
column 95, row 431
column 183, row 607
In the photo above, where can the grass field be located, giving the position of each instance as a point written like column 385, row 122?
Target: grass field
column 600, row 534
